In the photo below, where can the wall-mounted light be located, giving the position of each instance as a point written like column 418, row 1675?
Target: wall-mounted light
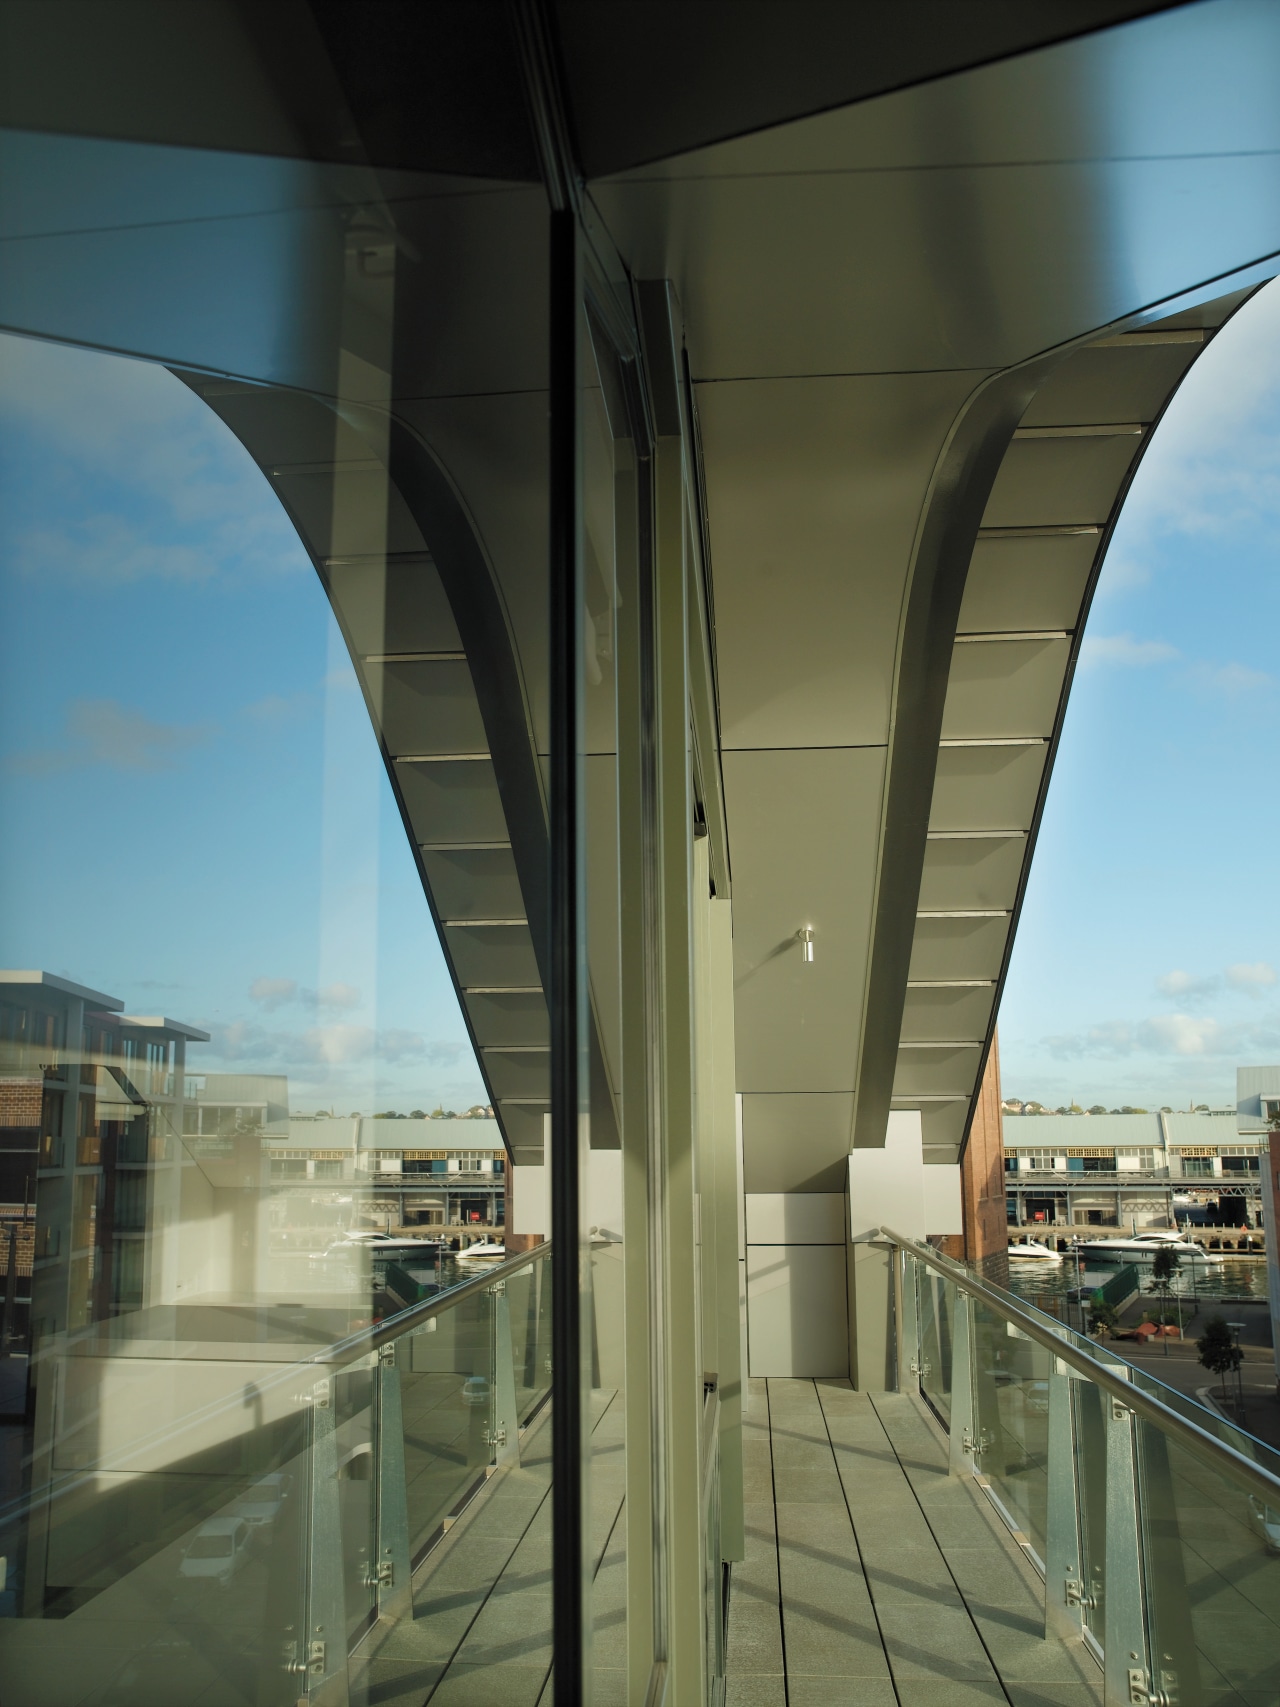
column 805, row 938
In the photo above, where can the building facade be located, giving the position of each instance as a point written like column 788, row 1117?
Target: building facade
column 1126, row 1170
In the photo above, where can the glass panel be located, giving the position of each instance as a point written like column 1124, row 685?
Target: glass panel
column 609, row 550
column 937, row 1313
column 273, row 649
column 1011, row 1399
column 1212, row 1563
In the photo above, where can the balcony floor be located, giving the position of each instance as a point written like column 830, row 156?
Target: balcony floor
column 872, row 1578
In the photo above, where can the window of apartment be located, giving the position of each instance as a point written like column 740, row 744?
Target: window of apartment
column 327, row 1170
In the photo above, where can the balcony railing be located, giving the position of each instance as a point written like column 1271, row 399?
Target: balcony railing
column 1154, row 1523
column 249, row 1529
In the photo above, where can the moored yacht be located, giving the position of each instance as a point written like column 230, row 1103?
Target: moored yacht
column 1142, row 1247
column 1031, row 1250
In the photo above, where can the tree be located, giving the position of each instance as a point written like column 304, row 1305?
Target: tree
column 1163, row 1271
column 1097, row 1109
column 1102, row 1316
column 1219, row 1353
column 417, row 1114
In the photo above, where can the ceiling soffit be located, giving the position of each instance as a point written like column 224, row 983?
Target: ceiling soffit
column 1040, row 548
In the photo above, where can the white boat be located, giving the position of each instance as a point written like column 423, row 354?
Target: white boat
column 485, row 1251
column 1031, row 1250
column 1142, row 1248
column 383, row 1245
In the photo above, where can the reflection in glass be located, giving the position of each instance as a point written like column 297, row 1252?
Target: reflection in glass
column 242, row 1112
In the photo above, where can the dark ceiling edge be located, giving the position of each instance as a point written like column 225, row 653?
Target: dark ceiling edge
column 961, row 486
column 1130, row 14
column 1077, row 640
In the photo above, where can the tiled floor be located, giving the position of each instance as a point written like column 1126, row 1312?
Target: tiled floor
column 874, row 1579
column 481, row 1631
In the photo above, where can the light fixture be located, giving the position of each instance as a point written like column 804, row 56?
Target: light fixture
column 805, row 938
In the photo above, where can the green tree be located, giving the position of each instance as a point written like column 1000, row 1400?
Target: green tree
column 1163, row 1271
column 1102, row 1317
column 1219, row 1353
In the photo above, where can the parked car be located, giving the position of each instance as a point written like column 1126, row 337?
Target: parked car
column 260, row 1503
column 216, row 1551
column 475, row 1390
column 1266, row 1520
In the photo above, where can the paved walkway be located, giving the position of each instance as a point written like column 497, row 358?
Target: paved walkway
column 872, row 1578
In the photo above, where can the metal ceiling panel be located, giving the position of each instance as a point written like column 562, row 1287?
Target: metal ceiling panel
column 940, row 1015
column 1027, row 584
column 492, row 955
column 986, row 788
column 971, row 872
column 518, row 1071
column 427, row 708
column 453, row 801
column 1004, row 688
column 928, row 1069
column 352, row 511
column 1035, row 259
column 795, row 1143
column 958, row 948
column 400, row 605
column 804, row 828
column 1060, row 480
column 474, row 883
column 509, row 1016
column 813, row 491
column 1108, row 385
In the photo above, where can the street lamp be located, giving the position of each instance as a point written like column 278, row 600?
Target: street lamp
column 1237, row 1328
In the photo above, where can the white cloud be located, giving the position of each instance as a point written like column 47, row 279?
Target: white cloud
column 159, row 487
column 1232, row 680
column 1251, row 977
column 104, row 732
column 1181, row 984
column 246, row 1043
column 272, row 994
column 1124, row 650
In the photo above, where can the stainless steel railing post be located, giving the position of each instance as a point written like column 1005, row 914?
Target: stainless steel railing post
column 963, row 1430
column 393, row 1567
column 1065, row 1586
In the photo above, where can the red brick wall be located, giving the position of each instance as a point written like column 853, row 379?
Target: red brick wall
column 20, row 1102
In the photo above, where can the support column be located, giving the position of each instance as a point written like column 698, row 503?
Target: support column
column 872, row 1345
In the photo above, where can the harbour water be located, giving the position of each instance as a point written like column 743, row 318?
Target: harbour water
column 1050, row 1284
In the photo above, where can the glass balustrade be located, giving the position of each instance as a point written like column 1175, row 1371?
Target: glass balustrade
column 1155, row 1523
column 244, row 1522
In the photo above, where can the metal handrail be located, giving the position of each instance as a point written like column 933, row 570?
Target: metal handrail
column 391, row 1328
column 1261, row 1482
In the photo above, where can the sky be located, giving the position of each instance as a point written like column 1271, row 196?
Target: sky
column 206, row 829
column 1146, row 962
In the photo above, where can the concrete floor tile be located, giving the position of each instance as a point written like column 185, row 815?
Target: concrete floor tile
column 1056, row 1694
column 949, row 1692
column 490, row 1686
column 942, row 1643
column 755, row 1691
column 839, row 1691
column 397, row 1683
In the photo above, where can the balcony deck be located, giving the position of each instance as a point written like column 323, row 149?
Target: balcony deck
column 874, row 1578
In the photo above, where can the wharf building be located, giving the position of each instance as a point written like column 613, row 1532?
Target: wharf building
column 618, row 491
column 1197, row 1171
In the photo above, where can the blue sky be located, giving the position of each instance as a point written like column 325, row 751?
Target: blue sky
column 206, row 829
column 1145, row 968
